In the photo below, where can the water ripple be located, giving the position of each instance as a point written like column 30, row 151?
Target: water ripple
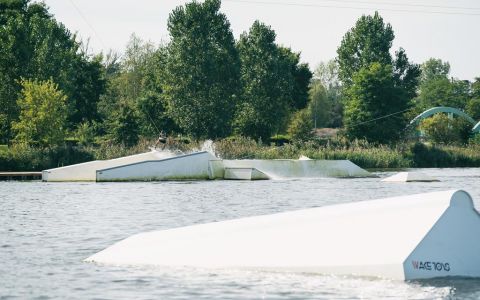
column 47, row 229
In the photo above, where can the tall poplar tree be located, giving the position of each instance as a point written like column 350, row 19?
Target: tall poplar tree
column 378, row 88
column 367, row 42
column 201, row 74
column 267, row 84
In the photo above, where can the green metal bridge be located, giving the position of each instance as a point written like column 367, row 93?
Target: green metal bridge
column 449, row 110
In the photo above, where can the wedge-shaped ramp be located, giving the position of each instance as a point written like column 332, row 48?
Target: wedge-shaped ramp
column 412, row 237
column 244, row 174
column 410, row 177
column 183, row 167
column 292, row 168
column 87, row 171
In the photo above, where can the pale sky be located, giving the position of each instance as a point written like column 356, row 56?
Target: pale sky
column 446, row 29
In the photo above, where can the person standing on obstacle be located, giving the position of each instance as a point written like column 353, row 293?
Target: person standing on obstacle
column 162, row 140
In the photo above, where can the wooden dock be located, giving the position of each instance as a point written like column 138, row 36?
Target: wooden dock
column 20, row 175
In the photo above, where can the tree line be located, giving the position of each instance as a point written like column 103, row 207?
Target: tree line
column 205, row 84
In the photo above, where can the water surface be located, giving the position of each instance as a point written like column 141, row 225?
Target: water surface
column 47, row 229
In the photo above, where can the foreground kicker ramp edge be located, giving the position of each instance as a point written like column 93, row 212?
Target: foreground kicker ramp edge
column 411, row 237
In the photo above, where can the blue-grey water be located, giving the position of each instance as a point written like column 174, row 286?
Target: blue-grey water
column 47, row 229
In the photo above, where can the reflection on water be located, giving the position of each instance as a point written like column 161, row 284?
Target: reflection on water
column 47, row 229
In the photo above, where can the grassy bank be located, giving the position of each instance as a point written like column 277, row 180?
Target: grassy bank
column 408, row 155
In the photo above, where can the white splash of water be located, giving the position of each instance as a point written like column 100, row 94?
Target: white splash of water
column 208, row 146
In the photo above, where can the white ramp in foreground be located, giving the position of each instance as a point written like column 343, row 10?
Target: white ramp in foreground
column 412, row 237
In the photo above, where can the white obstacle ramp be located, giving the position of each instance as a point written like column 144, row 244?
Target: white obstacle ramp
column 244, row 174
column 301, row 168
column 193, row 166
column 411, row 237
column 410, row 177
column 165, row 165
column 87, row 171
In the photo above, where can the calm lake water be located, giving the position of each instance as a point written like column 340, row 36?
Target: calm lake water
column 47, row 229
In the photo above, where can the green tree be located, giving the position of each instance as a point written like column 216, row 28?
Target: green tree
column 436, row 89
column 136, row 79
column 34, row 45
column 320, row 105
column 85, row 133
column 11, row 8
column 43, row 114
column 201, row 74
column 301, row 125
column 460, row 93
column 473, row 105
column 152, row 106
column 476, row 88
column 473, row 108
column 441, row 129
column 122, row 126
column 435, row 68
column 370, row 100
column 327, row 105
column 367, row 42
column 369, row 92
column 267, row 84
column 406, row 75
column 301, row 75
column 85, row 85
column 436, row 92
column 153, row 116
column 137, row 65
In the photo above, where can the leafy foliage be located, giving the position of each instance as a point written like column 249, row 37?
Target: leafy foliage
column 301, row 77
column 435, row 68
column 476, row 88
column 201, row 75
column 272, row 83
column 320, row 105
column 377, row 87
column 135, row 79
column 301, row 126
column 122, row 126
column 85, row 133
column 325, row 93
column 367, row 42
column 441, row 129
column 473, row 108
column 34, row 45
column 372, row 96
column 261, row 81
column 436, row 89
column 43, row 114
column 406, row 75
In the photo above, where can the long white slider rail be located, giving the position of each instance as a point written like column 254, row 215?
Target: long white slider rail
column 410, row 237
